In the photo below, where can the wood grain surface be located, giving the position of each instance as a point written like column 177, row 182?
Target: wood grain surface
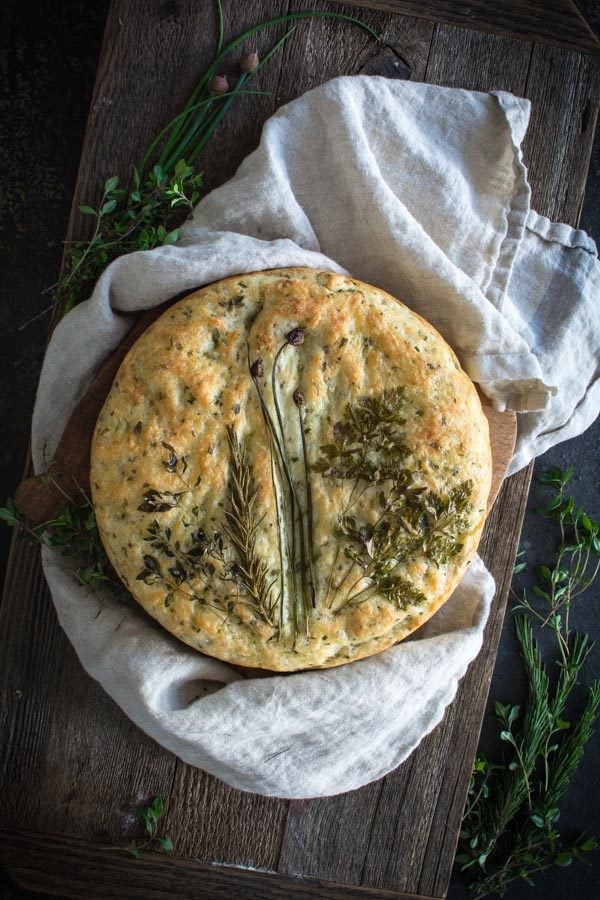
column 73, row 767
column 556, row 22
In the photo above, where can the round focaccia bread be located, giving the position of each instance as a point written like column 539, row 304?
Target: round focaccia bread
column 291, row 470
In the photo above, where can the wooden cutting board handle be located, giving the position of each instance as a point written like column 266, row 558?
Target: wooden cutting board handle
column 41, row 498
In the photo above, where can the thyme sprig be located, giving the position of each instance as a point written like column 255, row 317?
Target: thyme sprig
column 73, row 535
column 145, row 209
column 509, row 828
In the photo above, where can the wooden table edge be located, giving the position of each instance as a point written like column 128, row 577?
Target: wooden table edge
column 86, row 869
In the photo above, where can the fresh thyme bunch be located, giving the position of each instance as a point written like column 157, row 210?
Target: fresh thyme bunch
column 509, row 827
column 72, row 534
column 146, row 210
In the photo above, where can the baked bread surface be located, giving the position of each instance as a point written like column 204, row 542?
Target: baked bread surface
column 300, row 518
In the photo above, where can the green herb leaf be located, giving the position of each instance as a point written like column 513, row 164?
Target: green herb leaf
column 165, row 842
column 511, row 811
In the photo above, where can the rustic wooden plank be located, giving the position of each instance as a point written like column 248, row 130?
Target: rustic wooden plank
column 462, row 58
column 400, row 813
column 213, row 822
column 202, row 811
column 564, row 89
column 554, row 22
column 40, row 862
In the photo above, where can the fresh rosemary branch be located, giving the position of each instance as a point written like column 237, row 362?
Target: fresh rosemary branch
column 509, row 827
column 145, row 210
column 251, row 571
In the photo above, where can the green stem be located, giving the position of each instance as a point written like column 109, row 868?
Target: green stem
column 309, row 513
column 294, row 502
column 250, row 32
column 178, row 118
column 220, row 26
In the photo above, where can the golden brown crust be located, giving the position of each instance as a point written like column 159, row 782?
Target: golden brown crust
column 184, row 403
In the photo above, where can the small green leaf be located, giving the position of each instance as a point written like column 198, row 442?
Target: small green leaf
column 9, row 513
column 110, row 184
column 537, row 820
column 544, row 573
column 171, row 237
column 513, row 714
column 108, row 207
column 87, row 211
column 157, row 806
column 564, row 859
column 165, row 842
column 590, row 844
column 181, row 169
column 519, row 568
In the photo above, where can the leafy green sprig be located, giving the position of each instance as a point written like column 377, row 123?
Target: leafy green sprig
column 150, row 814
column 509, row 828
column 127, row 219
column 145, row 211
column 72, row 534
column 369, row 449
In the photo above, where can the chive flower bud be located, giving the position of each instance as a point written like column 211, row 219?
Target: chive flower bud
column 257, row 369
column 219, row 85
column 298, row 398
column 249, row 62
column 296, row 337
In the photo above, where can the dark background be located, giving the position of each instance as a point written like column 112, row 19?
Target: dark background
column 48, row 55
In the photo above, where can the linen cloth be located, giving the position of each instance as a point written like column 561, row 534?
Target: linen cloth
column 422, row 191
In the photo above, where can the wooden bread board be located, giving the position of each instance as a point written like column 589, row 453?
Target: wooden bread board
column 40, row 499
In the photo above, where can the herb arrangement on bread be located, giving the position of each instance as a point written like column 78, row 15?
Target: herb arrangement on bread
column 291, row 470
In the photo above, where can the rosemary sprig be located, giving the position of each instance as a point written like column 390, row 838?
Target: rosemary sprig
column 251, row 571
column 509, row 827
